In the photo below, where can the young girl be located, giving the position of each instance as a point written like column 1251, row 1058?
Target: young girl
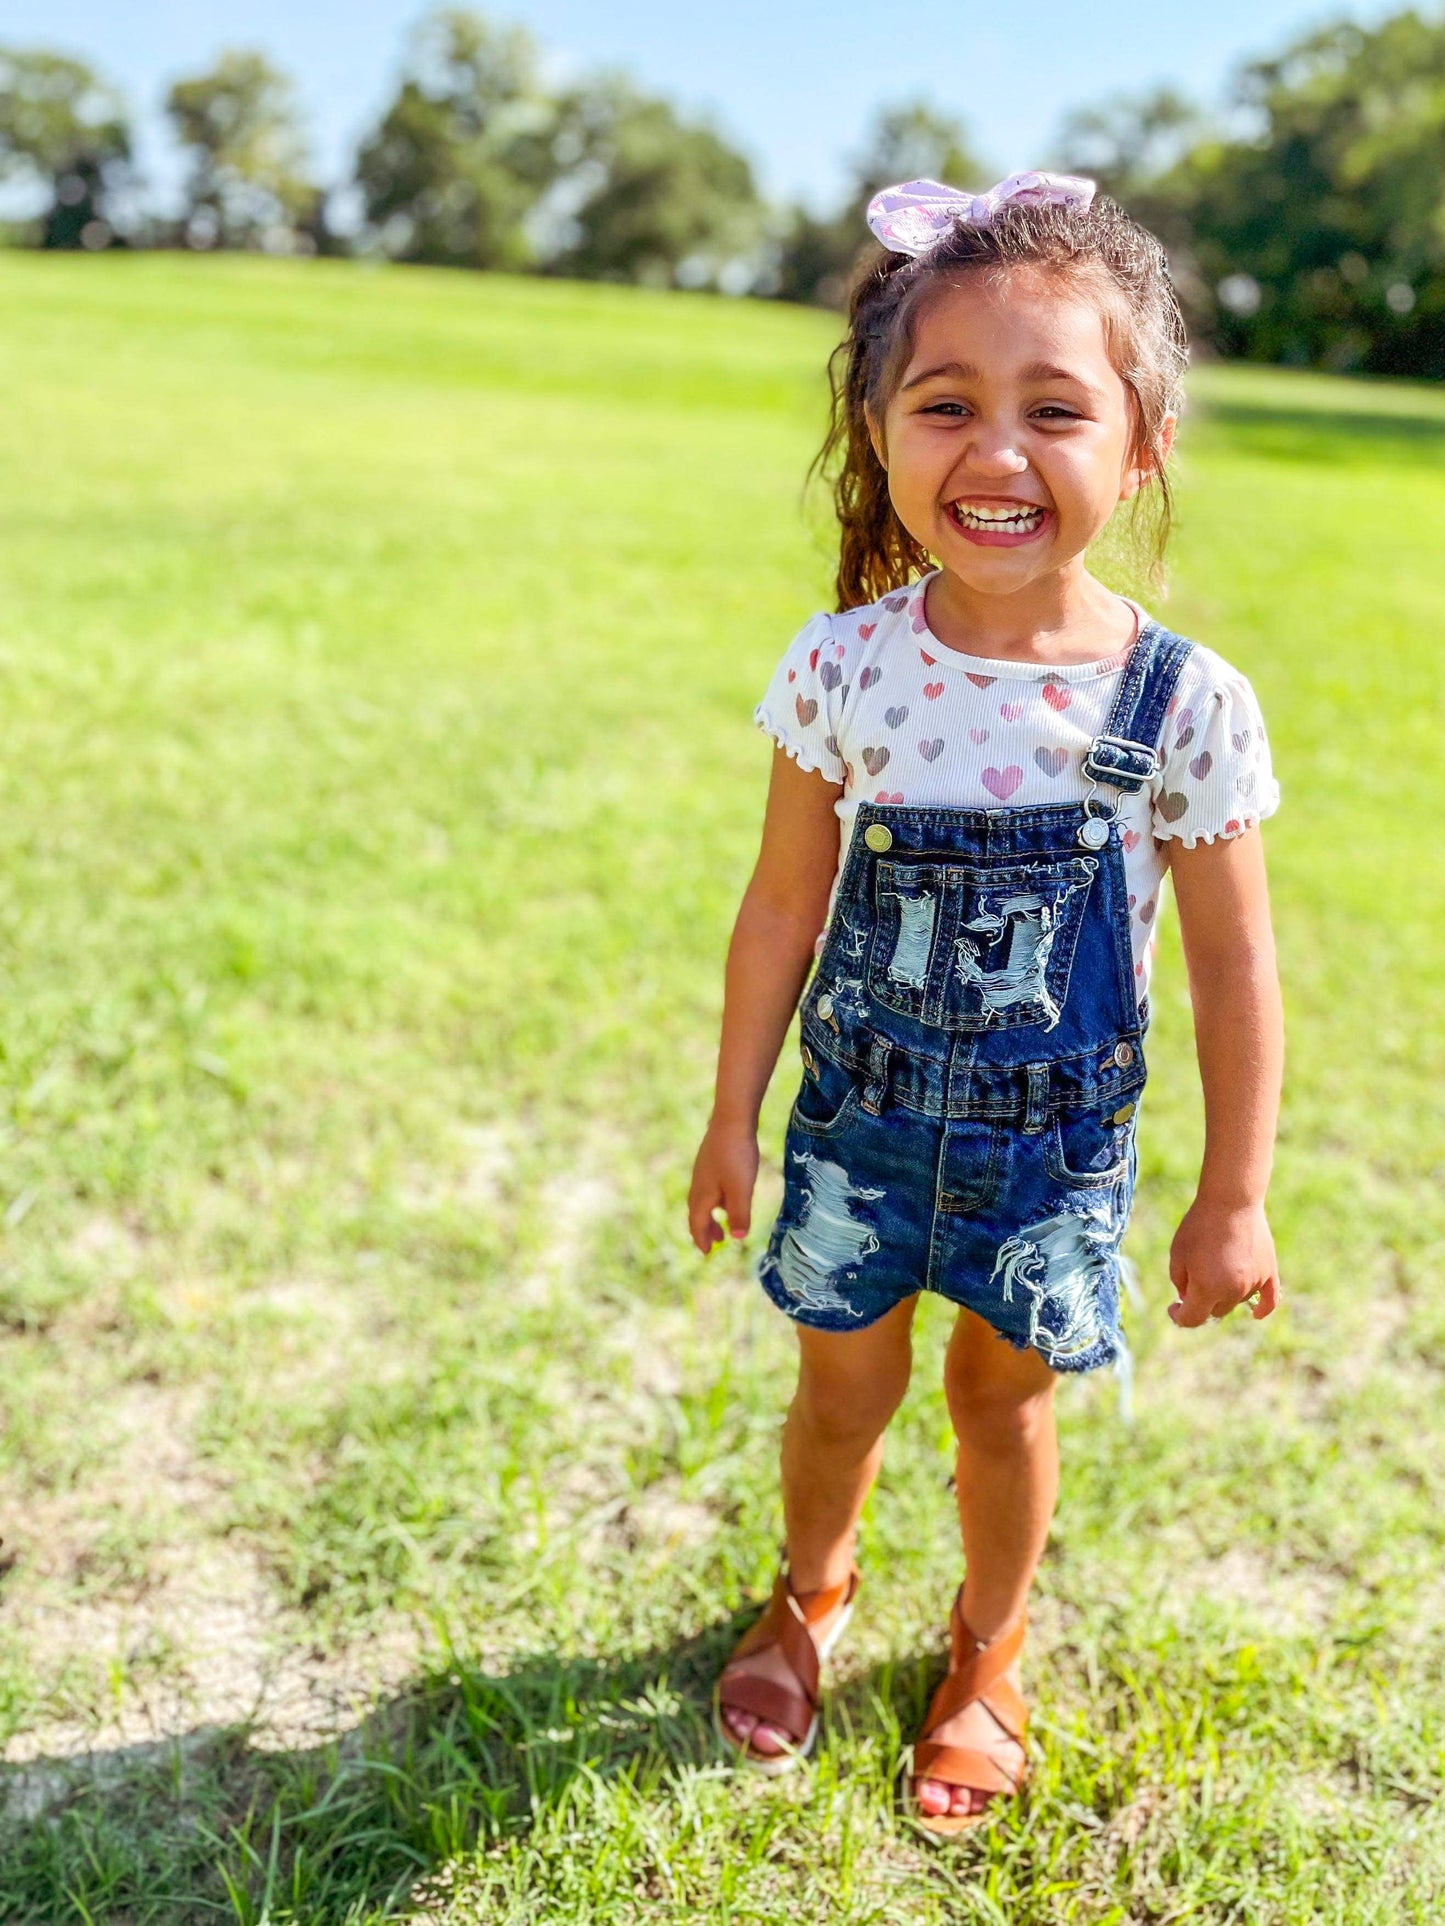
column 986, row 761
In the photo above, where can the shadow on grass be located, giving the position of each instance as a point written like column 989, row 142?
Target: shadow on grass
column 206, row 1826
column 1329, row 436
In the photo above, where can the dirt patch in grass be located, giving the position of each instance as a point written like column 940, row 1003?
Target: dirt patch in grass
column 147, row 1620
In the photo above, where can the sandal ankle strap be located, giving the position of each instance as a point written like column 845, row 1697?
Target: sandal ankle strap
column 811, row 1607
column 993, row 1657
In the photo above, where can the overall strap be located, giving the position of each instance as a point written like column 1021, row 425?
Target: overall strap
column 1126, row 753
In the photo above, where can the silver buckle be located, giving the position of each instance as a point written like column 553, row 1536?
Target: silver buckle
column 1099, row 772
column 1094, row 830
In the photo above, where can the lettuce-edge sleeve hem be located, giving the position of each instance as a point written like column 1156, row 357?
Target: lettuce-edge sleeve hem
column 799, row 751
column 1236, row 826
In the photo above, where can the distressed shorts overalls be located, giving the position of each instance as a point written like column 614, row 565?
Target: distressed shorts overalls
column 973, row 1060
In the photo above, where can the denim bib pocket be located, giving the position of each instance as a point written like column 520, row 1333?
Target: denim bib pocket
column 961, row 946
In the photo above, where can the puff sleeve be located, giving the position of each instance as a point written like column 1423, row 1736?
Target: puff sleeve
column 803, row 705
column 1216, row 778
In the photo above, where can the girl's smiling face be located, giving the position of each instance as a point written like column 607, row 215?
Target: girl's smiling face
column 1010, row 438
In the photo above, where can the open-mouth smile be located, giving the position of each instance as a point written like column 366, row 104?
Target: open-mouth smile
column 998, row 523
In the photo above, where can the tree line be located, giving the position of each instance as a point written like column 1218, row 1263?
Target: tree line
column 1305, row 216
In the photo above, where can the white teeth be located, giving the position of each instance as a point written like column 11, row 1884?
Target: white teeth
column 1012, row 519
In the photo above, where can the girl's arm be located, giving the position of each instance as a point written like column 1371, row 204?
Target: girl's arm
column 1223, row 1251
column 783, row 909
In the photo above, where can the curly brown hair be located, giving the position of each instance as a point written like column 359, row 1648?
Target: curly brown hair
column 1098, row 247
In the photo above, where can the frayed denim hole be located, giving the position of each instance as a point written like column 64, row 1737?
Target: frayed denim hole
column 828, row 1239
column 1059, row 1266
column 1030, row 922
column 916, row 918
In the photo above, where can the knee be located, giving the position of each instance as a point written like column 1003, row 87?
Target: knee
column 998, row 1418
column 845, row 1412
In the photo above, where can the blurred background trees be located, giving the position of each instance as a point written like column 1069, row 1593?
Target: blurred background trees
column 476, row 164
column 1309, row 226
column 240, row 129
column 462, row 154
column 1304, row 215
column 907, row 142
column 64, row 132
column 644, row 195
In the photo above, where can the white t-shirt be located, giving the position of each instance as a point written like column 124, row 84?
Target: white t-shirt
column 871, row 699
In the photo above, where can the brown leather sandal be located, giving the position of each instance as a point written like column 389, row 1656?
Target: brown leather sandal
column 787, row 1622
column 975, row 1675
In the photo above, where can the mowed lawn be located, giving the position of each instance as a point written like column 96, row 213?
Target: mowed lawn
column 383, row 1476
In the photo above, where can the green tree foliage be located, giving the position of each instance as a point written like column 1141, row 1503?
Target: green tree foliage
column 1137, row 148
column 907, row 141
column 1316, row 234
column 1129, row 143
column 914, row 142
column 65, row 129
column 248, row 184
column 1336, row 212
column 464, row 151
column 1305, row 223
column 649, row 197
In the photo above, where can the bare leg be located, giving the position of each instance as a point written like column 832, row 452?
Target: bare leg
column 1002, row 1404
column 849, row 1385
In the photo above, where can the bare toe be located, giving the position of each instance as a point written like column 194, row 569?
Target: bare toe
column 932, row 1797
column 770, row 1740
column 739, row 1723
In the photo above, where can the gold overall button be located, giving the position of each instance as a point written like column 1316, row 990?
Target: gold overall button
column 1122, row 1115
column 808, row 1058
column 825, row 1007
column 878, row 836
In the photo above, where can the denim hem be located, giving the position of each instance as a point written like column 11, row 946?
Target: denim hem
column 1105, row 1352
column 800, row 1314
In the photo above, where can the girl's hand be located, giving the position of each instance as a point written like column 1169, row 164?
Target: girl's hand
column 723, row 1175
column 1222, row 1255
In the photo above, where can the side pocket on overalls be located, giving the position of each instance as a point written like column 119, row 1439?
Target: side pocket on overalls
column 1091, row 1147
column 826, row 1099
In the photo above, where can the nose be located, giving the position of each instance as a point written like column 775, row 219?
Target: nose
column 991, row 451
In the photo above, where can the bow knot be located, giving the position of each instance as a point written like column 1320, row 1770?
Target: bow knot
column 913, row 217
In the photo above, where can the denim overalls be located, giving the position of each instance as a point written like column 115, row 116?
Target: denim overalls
column 973, row 1060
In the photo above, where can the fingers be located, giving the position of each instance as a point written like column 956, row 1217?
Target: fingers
column 737, row 1203
column 1223, row 1256
column 1193, row 1309
column 703, row 1207
column 1197, row 1305
column 1268, row 1299
column 702, row 1224
column 1178, row 1270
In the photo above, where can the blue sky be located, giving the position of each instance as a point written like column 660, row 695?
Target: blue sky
column 792, row 83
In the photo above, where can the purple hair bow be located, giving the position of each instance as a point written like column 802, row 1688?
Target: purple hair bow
column 914, row 216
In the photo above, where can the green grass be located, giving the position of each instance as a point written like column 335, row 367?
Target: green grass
column 382, row 1474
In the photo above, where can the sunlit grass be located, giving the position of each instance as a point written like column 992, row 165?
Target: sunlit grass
column 377, row 669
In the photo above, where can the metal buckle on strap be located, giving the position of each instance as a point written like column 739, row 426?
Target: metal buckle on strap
column 1121, row 763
